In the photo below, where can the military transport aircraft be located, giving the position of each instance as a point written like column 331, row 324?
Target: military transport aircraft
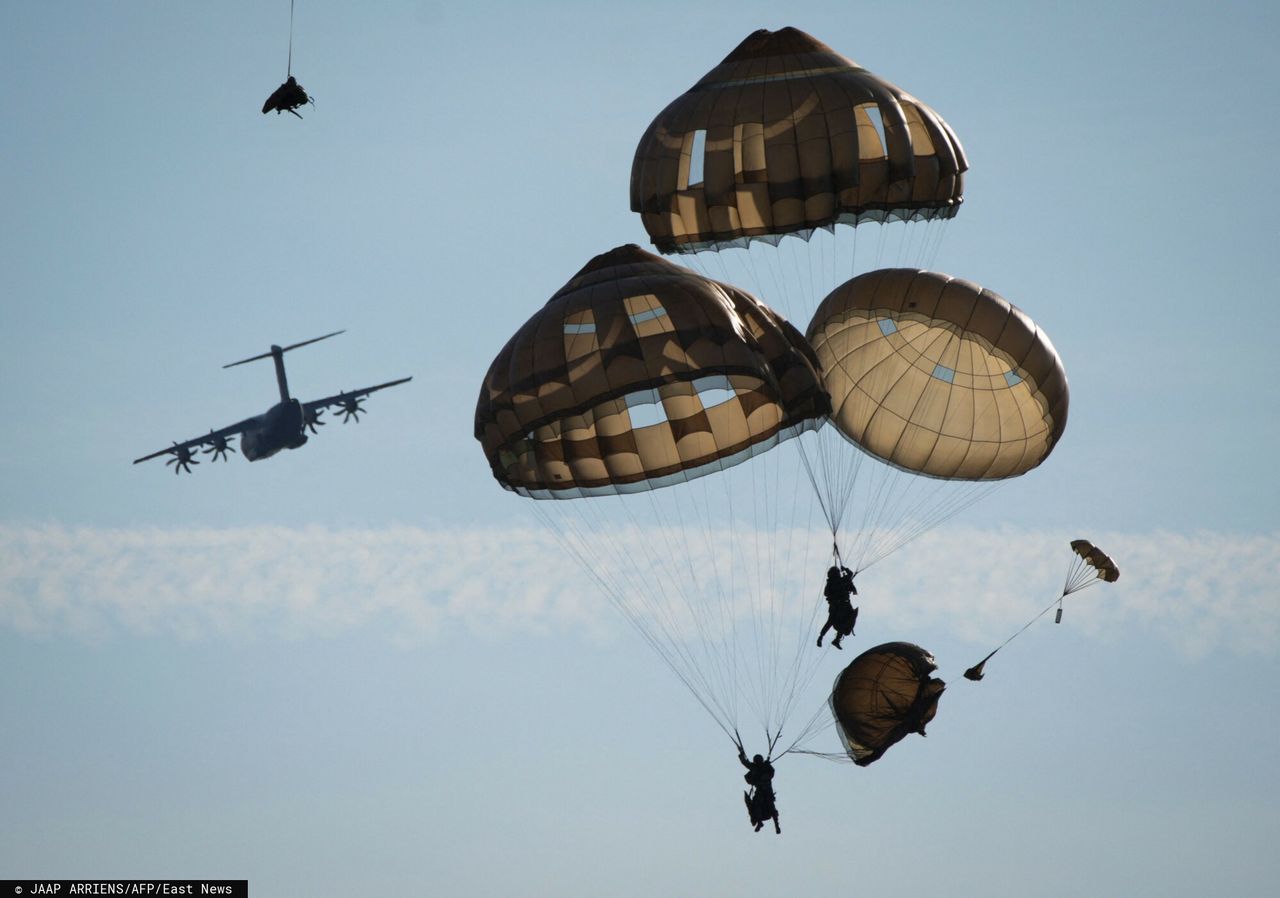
column 283, row 426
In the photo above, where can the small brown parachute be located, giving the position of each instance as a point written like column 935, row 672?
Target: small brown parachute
column 883, row 695
column 1095, row 558
column 786, row 136
column 639, row 374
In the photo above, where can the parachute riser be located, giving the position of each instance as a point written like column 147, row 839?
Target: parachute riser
column 771, row 741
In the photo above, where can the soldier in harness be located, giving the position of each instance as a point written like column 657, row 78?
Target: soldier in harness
column 841, row 615
column 761, row 802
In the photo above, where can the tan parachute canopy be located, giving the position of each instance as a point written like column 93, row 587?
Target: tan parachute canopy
column 1095, row 558
column 883, row 695
column 637, row 374
column 939, row 376
column 785, row 136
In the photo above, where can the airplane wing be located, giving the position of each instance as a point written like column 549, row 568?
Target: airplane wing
column 211, row 438
column 349, row 401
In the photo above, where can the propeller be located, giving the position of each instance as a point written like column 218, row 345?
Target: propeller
column 219, row 448
column 312, row 420
column 351, row 408
column 182, row 460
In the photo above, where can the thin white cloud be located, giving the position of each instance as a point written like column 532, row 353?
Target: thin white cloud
column 195, row 582
column 1199, row 592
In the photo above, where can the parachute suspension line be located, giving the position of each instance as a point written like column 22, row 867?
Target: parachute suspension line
column 785, row 286
column 837, row 473
column 1069, row 586
column 763, row 587
column 919, row 247
column 834, row 499
column 709, row 618
column 933, row 512
column 904, row 246
column 832, row 485
column 1080, row 576
column 813, row 294
column 804, row 664
column 716, row 622
column 699, row 664
column 289, row 68
column 838, row 483
column 576, row 548
column 933, row 242
column 705, row 667
column 896, row 507
column 853, row 255
column 659, row 606
column 785, row 632
column 824, row 500
column 1073, row 571
column 921, row 232
column 765, row 514
column 818, row 723
column 880, row 245
column 778, row 623
column 720, row 653
column 842, row 466
column 755, row 694
column 773, row 740
column 1024, row 627
column 828, row 271
column 662, row 612
column 755, row 580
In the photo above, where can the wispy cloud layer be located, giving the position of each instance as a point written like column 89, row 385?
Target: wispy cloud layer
column 197, row 582
column 1198, row 591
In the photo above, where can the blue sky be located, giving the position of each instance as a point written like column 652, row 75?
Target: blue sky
column 364, row 666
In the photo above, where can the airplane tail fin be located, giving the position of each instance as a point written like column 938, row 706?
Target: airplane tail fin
column 282, row 349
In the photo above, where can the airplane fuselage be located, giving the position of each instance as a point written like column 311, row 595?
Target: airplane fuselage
column 280, row 427
column 283, row 426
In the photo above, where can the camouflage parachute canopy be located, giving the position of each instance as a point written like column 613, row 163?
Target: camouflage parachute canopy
column 785, row 136
column 639, row 374
column 883, row 695
column 939, row 376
